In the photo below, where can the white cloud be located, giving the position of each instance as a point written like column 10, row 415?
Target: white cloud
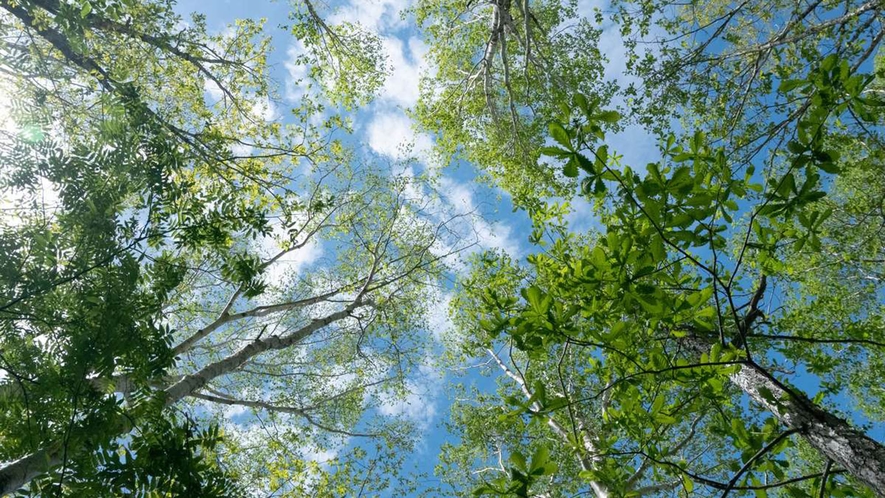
column 438, row 320
column 406, row 61
column 340, row 383
column 241, row 150
column 488, row 234
column 586, row 8
column 231, row 411
column 581, row 217
column 212, row 90
column 390, row 134
column 374, row 15
column 320, row 456
column 263, row 108
column 15, row 203
column 7, row 123
column 295, row 262
column 418, row 405
column 405, row 56
column 296, row 83
column 291, row 263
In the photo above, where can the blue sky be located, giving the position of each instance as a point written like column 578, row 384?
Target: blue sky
column 383, row 128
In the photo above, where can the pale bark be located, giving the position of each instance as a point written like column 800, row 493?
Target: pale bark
column 195, row 381
column 16, row 474
column 588, row 456
column 261, row 405
column 833, row 437
column 259, row 311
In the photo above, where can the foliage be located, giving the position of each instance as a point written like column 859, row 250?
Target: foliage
column 719, row 274
column 501, row 69
column 733, row 68
column 667, row 327
column 164, row 457
column 81, row 303
column 195, row 292
column 161, row 281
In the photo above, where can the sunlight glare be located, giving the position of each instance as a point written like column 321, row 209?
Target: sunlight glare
column 8, row 126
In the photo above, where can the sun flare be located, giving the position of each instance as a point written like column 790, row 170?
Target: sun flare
column 8, row 125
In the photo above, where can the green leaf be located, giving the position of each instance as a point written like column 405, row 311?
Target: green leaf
column 795, row 147
column 571, row 168
column 608, row 116
column 558, row 133
column 582, row 103
column 540, row 458
column 687, row 483
column 787, row 185
column 665, row 419
column 657, row 404
column 788, row 85
column 766, row 394
column 555, row 152
column 829, row 167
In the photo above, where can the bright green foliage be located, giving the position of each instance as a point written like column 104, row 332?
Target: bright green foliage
column 733, row 68
column 159, row 283
column 501, row 69
column 81, row 302
column 193, row 291
column 345, row 60
column 164, row 458
column 749, row 250
column 666, row 305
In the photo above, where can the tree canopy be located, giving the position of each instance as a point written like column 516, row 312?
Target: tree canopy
column 202, row 293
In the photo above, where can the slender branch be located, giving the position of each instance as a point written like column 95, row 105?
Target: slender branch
column 759, row 454
column 277, row 408
column 195, row 381
column 258, row 311
column 587, row 460
column 815, row 340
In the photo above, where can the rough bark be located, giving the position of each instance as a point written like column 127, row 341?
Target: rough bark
column 588, row 457
column 227, row 317
column 199, row 379
column 16, row 474
column 833, row 437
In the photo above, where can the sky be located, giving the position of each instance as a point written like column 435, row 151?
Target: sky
column 385, row 128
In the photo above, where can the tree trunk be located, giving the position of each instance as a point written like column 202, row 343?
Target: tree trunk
column 16, row 474
column 833, row 437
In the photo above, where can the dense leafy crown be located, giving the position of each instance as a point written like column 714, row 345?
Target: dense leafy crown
column 177, row 256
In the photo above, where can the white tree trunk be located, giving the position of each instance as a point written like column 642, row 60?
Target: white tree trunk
column 16, row 474
column 833, row 437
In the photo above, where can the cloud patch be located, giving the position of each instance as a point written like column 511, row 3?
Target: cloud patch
column 406, row 59
column 390, row 134
column 374, row 15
